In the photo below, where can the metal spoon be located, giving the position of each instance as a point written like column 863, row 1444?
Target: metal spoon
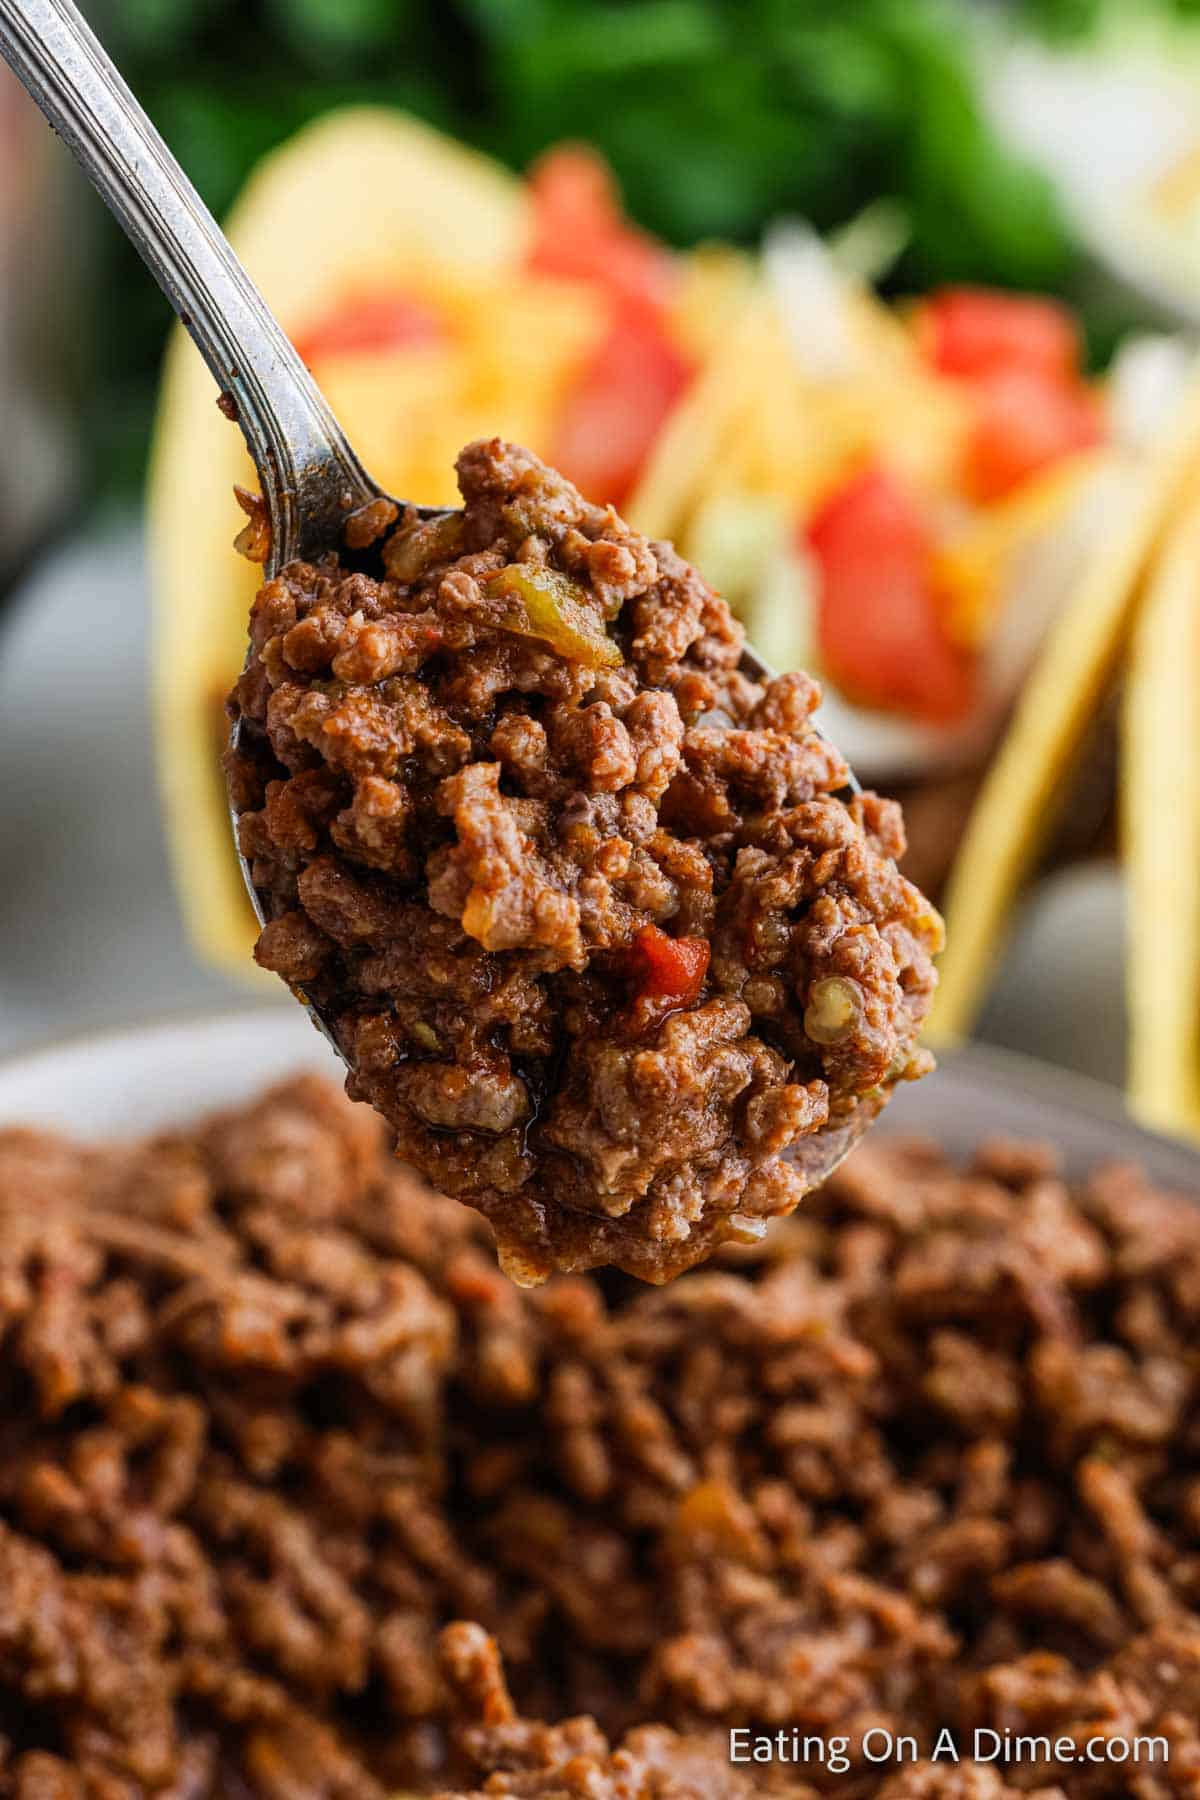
column 310, row 476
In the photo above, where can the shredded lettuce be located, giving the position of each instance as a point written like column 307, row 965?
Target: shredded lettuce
column 746, row 547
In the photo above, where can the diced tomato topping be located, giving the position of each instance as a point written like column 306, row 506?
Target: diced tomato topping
column 1020, row 358
column 364, row 322
column 580, row 231
column 611, row 418
column 667, row 973
column 1023, row 424
column 975, row 331
column 881, row 639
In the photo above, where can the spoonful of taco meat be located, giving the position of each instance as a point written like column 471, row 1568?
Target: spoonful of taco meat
column 597, row 918
column 591, row 909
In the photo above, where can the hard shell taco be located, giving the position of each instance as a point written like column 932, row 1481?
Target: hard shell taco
column 1160, row 828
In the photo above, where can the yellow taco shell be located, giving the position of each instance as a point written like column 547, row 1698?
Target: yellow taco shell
column 1160, row 833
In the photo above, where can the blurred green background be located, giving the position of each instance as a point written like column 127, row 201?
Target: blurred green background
column 717, row 115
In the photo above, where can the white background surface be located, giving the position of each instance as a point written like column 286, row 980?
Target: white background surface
column 89, row 930
column 90, row 934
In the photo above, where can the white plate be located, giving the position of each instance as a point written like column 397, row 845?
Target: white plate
column 127, row 1082
column 123, row 1083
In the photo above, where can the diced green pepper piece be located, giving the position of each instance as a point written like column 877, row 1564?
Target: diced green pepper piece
column 548, row 605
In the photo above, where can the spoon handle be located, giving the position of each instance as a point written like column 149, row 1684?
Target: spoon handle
column 308, row 472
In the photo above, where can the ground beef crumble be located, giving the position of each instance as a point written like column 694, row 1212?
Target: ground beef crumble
column 288, row 1464
column 601, row 929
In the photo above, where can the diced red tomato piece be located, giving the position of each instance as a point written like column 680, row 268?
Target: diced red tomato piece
column 667, row 973
column 881, row 639
column 364, row 322
column 618, row 406
column 580, row 231
column 1025, row 423
column 972, row 331
column 572, row 184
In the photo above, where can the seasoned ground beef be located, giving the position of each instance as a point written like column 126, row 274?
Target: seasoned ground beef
column 286, row 1461
column 599, row 926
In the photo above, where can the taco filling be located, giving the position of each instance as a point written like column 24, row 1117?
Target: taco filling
column 599, row 926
